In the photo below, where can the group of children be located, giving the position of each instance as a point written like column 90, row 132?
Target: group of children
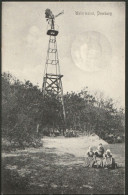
column 100, row 158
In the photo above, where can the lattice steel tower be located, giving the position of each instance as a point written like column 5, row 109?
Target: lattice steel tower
column 52, row 77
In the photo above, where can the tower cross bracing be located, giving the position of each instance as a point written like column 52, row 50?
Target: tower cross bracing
column 52, row 83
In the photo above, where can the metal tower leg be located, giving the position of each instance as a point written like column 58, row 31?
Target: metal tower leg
column 52, row 82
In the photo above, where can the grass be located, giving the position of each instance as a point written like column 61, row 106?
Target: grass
column 46, row 172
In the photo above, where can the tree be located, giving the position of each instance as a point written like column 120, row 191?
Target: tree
column 24, row 109
column 18, row 109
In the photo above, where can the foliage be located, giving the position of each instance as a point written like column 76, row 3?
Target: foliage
column 84, row 112
column 24, row 109
column 19, row 113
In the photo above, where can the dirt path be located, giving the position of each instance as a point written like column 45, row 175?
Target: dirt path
column 60, row 145
column 76, row 146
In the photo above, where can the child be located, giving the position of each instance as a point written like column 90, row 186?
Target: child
column 90, row 155
column 100, row 151
column 109, row 161
column 90, row 152
column 99, row 154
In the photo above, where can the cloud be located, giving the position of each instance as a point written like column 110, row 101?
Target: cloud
column 25, row 44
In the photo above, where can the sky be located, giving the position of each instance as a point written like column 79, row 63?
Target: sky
column 91, row 44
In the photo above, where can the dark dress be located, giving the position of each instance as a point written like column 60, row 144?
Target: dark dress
column 99, row 153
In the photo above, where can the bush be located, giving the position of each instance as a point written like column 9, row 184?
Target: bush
column 24, row 109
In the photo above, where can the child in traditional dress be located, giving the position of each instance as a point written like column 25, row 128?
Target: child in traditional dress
column 100, row 151
column 99, row 154
column 109, row 161
column 90, row 152
column 90, row 157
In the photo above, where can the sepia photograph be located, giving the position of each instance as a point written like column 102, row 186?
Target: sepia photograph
column 63, row 97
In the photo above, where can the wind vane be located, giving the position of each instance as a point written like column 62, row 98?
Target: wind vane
column 50, row 18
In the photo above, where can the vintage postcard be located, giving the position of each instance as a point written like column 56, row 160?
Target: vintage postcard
column 63, row 97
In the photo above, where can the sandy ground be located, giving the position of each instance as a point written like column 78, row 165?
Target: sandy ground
column 76, row 146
